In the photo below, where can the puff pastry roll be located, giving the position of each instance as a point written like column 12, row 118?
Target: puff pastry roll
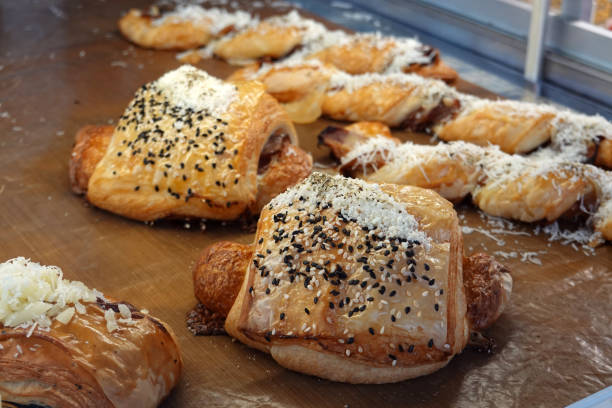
column 422, row 104
column 520, row 127
column 65, row 345
column 303, row 39
column 354, row 282
column 190, row 145
column 179, row 27
column 528, row 189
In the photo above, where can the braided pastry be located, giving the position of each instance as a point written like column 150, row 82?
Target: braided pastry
column 528, row 189
column 422, row 104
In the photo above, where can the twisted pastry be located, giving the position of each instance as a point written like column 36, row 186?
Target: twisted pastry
column 179, row 27
column 422, row 104
column 354, row 282
column 190, row 145
column 303, row 39
column 511, row 186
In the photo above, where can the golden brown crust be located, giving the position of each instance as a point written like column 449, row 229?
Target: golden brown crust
column 322, row 353
column 218, row 275
column 364, row 56
column 82, row 364
column 288, row 167
column 533, row 197
column 436, row 70
column 487, row 289
column 265, row 40
column 604, row 154
column 512, row 132
column 213, row 183
column 171, row 35
column 89, row 148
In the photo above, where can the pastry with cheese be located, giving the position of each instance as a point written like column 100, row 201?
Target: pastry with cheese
column 412, row 102
column 354, row 282
column 180, row 27
column 302, row 39
column 529, row 189
column 190, row 145
column 63, row 344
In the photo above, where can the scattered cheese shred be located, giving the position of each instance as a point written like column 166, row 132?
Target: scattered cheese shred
column 364, row 203
column 190, row 88
column 35, row 295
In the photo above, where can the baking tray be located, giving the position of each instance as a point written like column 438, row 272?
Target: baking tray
column 64, row 65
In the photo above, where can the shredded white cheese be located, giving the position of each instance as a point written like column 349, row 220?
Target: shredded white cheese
column 191, row 88
column 356, row 200
column 33, row 295
column 215, row 19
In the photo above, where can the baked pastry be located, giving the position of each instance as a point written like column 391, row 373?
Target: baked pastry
column 179, row 27
column 190, row 145
column 421, row 104
column 354, row 282
column 521, row 127
column 302, row 39
column 65, row 345
column 528, row 189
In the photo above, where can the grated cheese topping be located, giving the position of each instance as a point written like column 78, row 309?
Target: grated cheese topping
column 34, row 295
column 494, row 167
column 215, row 19
column 190, row 88
column 364, row 203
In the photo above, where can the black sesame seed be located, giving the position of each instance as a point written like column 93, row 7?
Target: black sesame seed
column 436, row 307
column 306, row 311
column 411, row 348
column 392, row 293
column 371, row 330
column 432, row 282
column 282, row 316
column 392, row 357
column 350, row 340
column 407, row 309
column 430, row 343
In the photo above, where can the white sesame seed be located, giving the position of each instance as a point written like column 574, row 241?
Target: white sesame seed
column 360, row 349
column 348, row 352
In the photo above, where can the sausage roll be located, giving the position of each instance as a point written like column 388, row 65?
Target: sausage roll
column 180, row 27
column 190, row 145
column 65, row 345
column 528, row 189
column 354, row 282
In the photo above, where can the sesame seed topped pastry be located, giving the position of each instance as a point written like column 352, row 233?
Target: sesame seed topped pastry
column 65, row 345
column 539, row 187
column 190, row 145
column 180, row 27
column 354, row 282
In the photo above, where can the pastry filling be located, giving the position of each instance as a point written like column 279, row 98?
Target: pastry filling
column 273, row 147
